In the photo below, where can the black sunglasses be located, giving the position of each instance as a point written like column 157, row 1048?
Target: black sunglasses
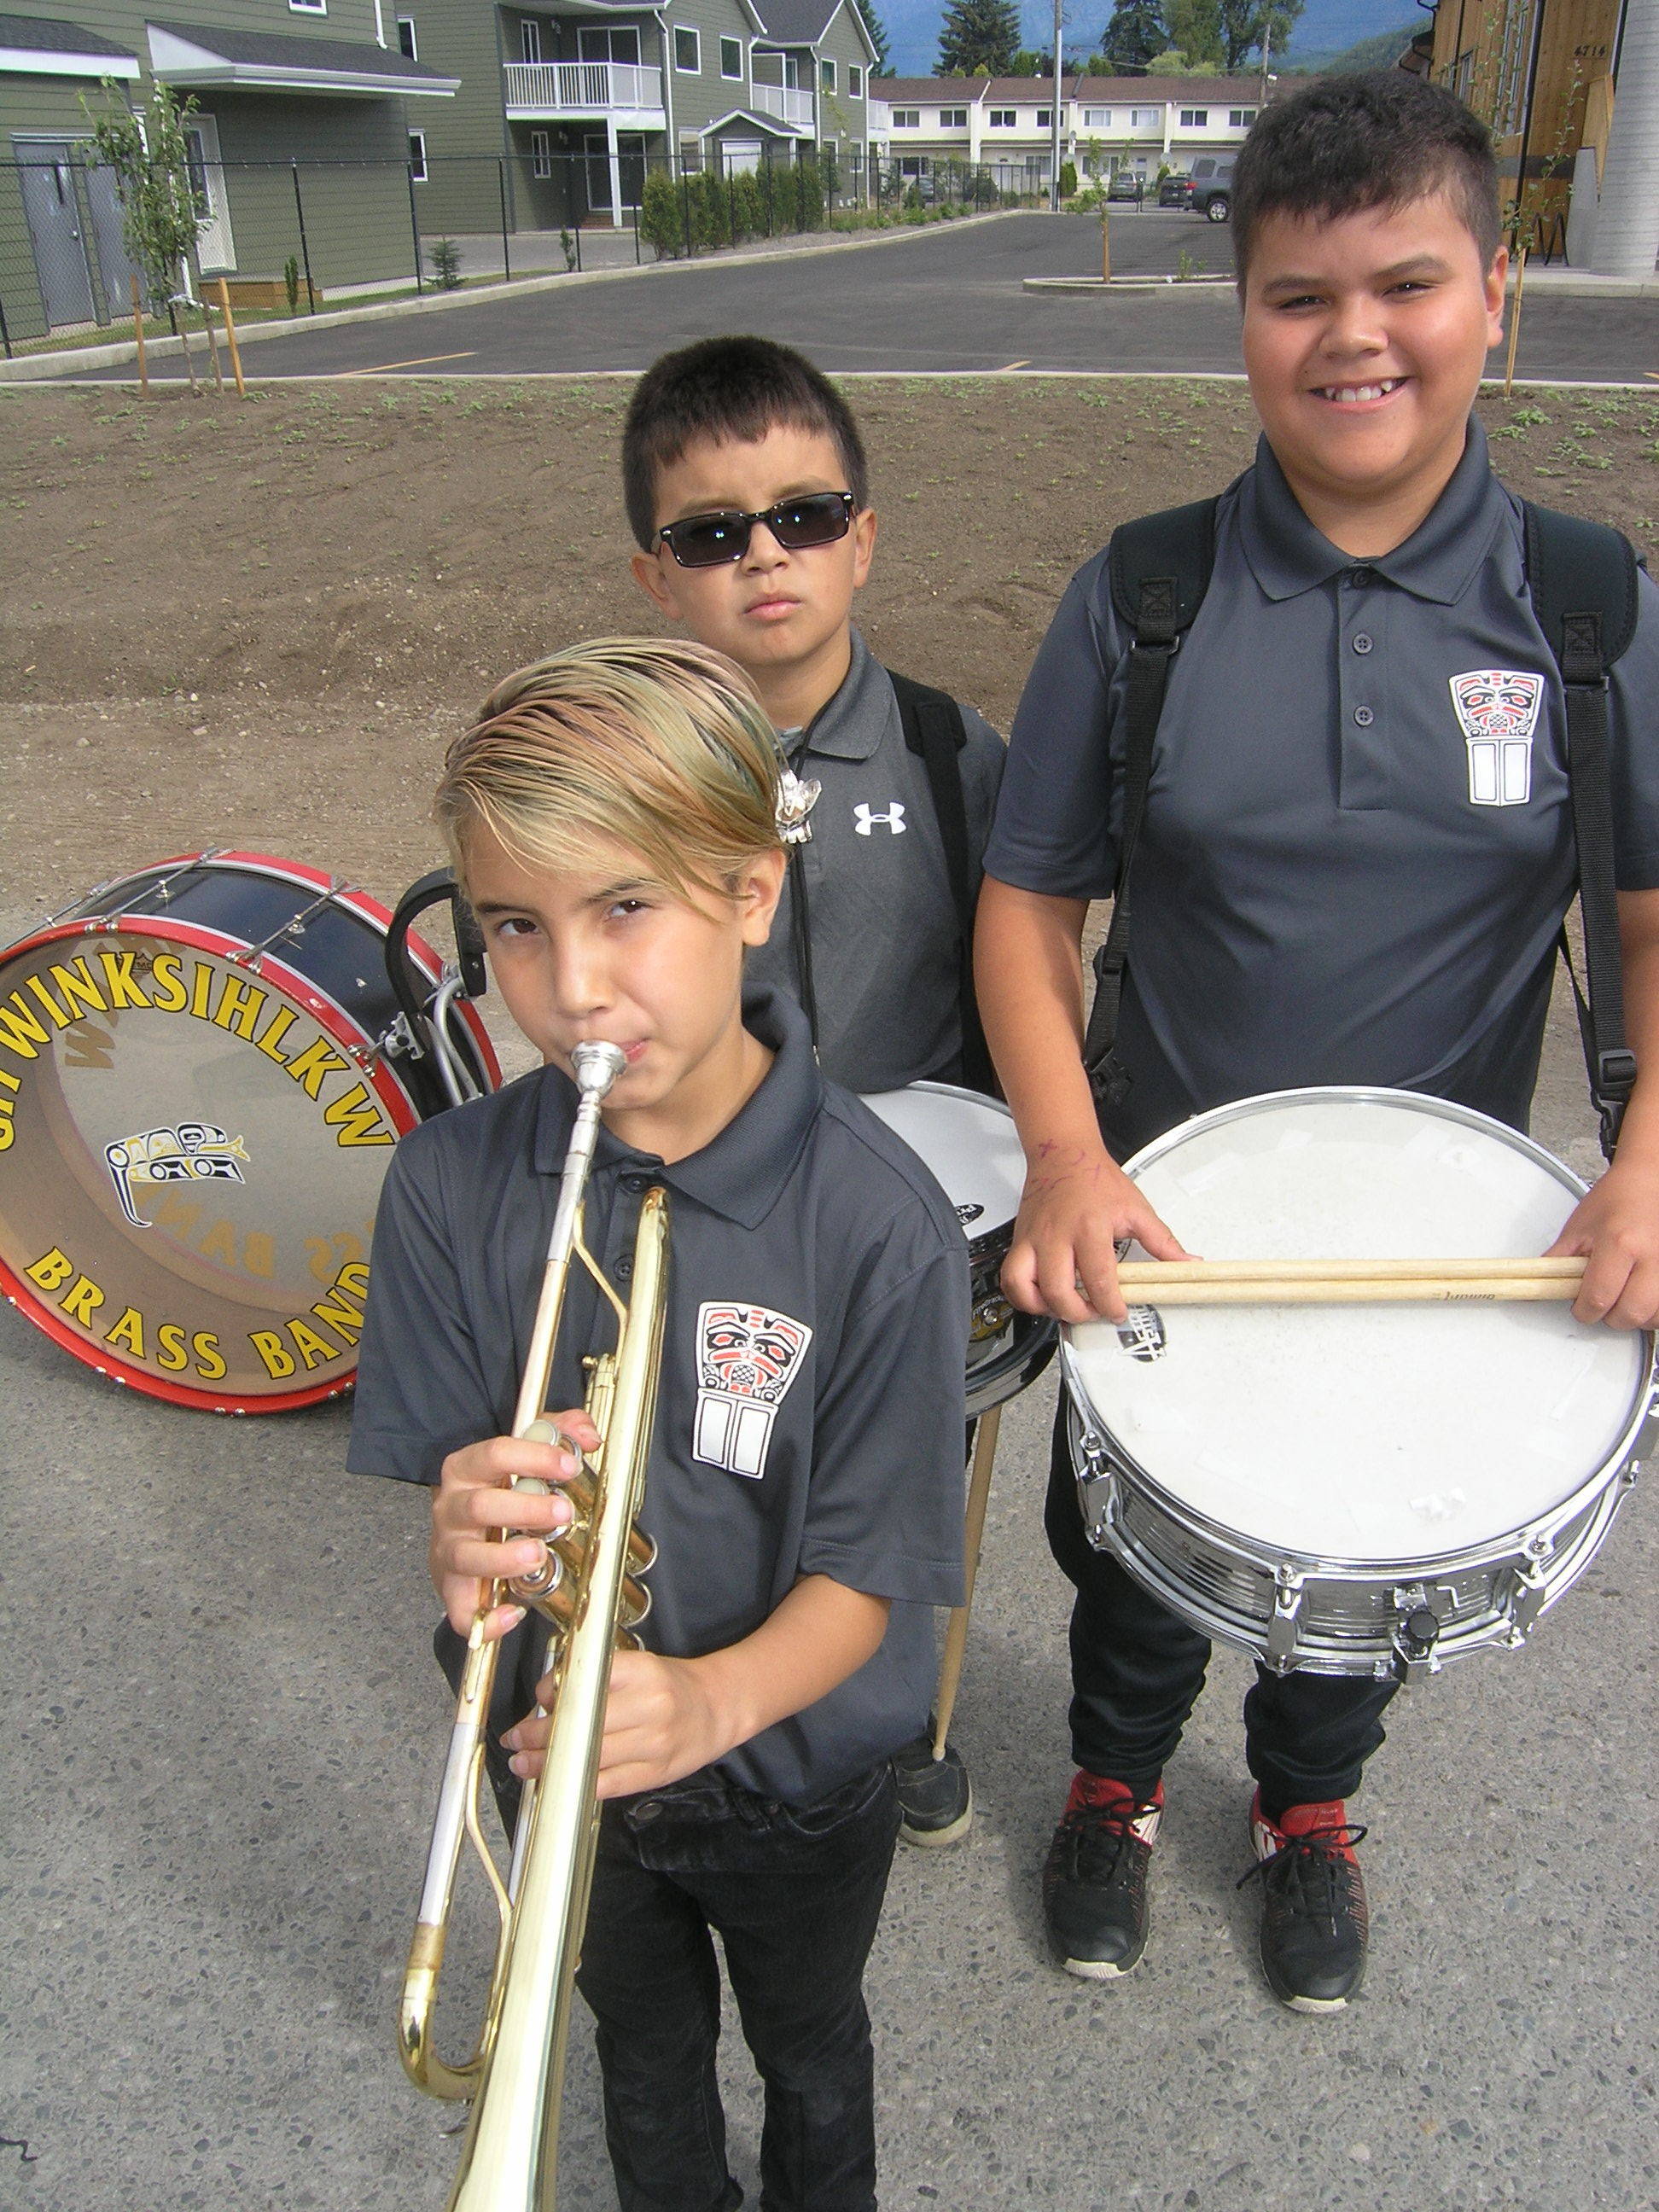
column 704, row 541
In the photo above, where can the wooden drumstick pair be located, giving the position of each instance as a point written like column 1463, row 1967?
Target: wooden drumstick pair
column 1346, row 1282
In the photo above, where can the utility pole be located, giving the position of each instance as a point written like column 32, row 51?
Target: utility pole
column 1054, row 117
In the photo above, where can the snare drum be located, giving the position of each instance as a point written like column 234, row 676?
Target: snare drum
column 204, row 1070
column 1356, row 1489
column 973, row 1149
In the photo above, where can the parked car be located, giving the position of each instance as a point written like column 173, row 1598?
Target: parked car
column 1126, row 185
column 1175, row 192
column 1210, row 187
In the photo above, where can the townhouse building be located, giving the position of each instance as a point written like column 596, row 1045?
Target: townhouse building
column 1144, row 124
column 276, row 81
column 580, row 97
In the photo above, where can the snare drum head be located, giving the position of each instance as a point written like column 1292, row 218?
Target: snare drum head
column 970, row 1145
column 193, row 1132
column 1363, row 1433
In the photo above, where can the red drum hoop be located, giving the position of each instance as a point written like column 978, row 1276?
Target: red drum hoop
column 203, row 1072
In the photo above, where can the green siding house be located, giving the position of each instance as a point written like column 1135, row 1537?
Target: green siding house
column 581, row 97
column 320, row 84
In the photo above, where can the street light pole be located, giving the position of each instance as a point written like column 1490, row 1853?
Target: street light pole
column 1054, row 118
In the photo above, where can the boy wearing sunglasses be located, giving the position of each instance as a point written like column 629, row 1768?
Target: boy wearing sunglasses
column 748, row 493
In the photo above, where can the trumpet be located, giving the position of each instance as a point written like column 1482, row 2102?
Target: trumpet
column 589, row 1590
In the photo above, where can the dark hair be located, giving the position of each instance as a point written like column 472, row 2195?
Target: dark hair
column 1380, row 138
column 728, row 389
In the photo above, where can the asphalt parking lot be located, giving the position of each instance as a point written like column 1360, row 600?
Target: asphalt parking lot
column 225, row 1732
column 948, row 300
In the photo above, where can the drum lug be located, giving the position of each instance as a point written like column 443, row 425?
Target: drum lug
column 1283, row 1627
column 1530, row 1587
column 1422, row 1610
column 397, row 1040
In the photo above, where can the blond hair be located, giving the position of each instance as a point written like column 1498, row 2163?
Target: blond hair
column 654, row 744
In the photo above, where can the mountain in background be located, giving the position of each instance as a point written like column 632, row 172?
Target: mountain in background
column 1327, row 27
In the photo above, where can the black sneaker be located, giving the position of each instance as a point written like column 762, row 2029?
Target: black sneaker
column 1314, row 1921
column 936, row 1799
column 1094, row 1884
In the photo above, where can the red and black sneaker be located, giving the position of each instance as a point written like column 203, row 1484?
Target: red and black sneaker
column 1314, row 1921
column 1094, row 1882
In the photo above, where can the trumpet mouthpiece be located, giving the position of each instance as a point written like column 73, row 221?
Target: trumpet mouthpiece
column 597, row 1066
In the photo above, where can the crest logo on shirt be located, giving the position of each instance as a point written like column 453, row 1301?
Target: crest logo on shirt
column 747, row 1358
column 1498, row 709
column 864, row 819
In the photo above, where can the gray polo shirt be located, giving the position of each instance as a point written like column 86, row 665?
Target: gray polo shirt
column 882, row 921
column 1358, row 845
column 809, row 1419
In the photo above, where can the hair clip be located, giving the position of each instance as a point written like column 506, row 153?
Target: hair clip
column 796, row 801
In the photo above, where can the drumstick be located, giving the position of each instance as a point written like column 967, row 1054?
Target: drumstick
column 956, row 1634
column 1136, row 1272
column 1338, row 1290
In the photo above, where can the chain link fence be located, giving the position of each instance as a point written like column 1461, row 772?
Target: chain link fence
column 292, row 237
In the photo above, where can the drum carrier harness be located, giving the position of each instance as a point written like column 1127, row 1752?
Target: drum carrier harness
column 1580, row 578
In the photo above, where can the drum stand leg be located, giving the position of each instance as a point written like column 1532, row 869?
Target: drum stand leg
column 955, row 1635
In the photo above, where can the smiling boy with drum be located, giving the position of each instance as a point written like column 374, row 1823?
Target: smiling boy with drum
column 1355, row 852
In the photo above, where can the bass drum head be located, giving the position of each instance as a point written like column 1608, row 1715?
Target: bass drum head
column 192, row 1139
column 1364, row 1434
column 970, row 1145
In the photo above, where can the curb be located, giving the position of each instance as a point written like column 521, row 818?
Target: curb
column 1158, row 284
column 31, row 368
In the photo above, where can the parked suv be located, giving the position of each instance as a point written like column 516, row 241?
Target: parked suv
column 1175, row 190
column 1125, row 185
column 1210, row 187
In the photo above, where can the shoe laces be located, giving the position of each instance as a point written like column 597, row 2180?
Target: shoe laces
column 1311, row 1872
column 1099, row 1833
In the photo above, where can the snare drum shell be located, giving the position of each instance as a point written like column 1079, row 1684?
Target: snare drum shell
column 1313, row 1605
column 222, row 917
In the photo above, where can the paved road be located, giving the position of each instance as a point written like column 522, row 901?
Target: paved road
column 224, row 1735
column 951, row 299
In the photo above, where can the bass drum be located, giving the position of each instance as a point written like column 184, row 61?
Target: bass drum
column 204, row 1069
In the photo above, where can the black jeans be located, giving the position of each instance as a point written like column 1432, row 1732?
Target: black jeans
column 1136, row 1671
column 794, row 1893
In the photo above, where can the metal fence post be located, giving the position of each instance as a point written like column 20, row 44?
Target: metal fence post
column 501, row 181
column 5, row 335
column 304, row 249
column 415, row 232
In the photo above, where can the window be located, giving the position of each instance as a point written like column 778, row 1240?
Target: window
column 1097, row 118
column 731, row 58
column 1240, row 119
column 1194, row 118
column 688, row 52
column 1145, row 119
column 541, row 154
column 827, row 75
column 417, row 157
column 406, row 38
column 953, row 118
column 1045, row 117
column 854, row 82
column 608, row 42
column 530, row 41
column 690, row 155
column 309, row 7
column 854, row 158
column 1002, row 118
column 907, row 118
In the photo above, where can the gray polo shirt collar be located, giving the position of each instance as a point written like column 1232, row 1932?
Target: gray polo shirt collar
column 1438, row 561
column 741, row 1174
column 851, row 725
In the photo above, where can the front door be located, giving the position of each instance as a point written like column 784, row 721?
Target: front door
column 53, row 214
column 104, row 205
column 215, row 247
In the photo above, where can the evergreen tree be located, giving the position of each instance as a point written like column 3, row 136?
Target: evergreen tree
column 1136, row 32
column 877, row 30
column 976, row 33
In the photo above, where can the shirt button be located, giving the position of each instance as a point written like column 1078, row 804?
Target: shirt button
column 1360, row 577
column 636, row 1182
column 624, row 1266
column 1362, row 643
column 1363, row 716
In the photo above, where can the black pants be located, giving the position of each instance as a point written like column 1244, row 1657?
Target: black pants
column 794, row 1893
column 1136, row 1671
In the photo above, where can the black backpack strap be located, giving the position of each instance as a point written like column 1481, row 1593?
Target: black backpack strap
column 1159, row 569
column 935, row 731
column 1581, row 579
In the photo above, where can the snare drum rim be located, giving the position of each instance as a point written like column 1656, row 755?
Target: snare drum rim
column 344, row 1031
column 1315, row 1564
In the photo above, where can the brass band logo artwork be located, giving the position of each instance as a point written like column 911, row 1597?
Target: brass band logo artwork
column 194, row 1151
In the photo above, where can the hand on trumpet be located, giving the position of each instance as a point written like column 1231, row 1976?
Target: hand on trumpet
column 468, row 1547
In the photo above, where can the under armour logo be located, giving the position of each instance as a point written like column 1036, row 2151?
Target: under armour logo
column 865, row 820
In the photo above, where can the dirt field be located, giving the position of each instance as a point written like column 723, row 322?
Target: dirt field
column 256, row 625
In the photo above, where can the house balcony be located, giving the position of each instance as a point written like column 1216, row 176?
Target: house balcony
column 784, row 104
column 550, row 91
